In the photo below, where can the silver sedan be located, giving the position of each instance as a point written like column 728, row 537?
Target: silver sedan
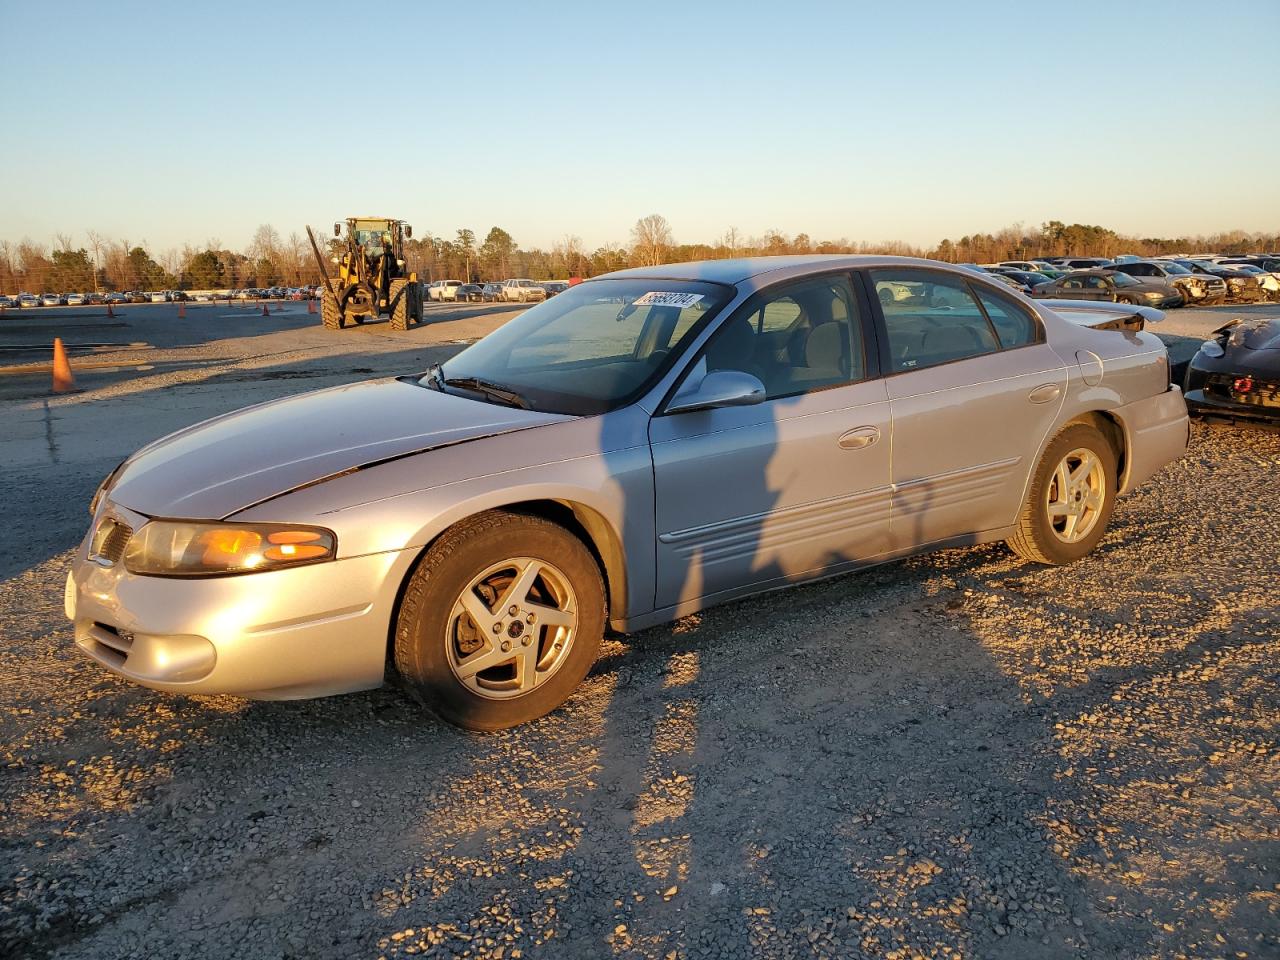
column 636, row 449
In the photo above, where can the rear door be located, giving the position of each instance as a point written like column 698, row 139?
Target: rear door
column 973, row 391
column 763, row 495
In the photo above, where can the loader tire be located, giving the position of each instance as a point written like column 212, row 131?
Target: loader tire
column 400, row 312
column 330, row 313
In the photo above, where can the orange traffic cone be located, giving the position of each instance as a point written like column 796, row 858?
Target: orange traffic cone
column 265, row 311
column 63, row 381
column 182, row 311
column 311, row 306
column 110, row 312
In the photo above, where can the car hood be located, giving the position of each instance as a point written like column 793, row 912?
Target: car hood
column 222, row 466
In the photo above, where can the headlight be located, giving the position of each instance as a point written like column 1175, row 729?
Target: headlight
column 174, row 548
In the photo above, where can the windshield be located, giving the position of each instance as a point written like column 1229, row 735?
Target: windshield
column 1176, row 269
column 1123, row 280
column 370, row 234
column 594, row 347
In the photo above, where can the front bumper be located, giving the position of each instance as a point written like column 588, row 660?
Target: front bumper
column 280, row 635
column 1205, row 404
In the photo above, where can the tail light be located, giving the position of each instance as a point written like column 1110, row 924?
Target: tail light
column 1242, row 384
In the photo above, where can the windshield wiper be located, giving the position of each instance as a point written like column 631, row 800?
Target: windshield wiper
column 494, row 391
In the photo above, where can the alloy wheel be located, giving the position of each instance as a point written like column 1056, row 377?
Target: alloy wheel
column 511, row 629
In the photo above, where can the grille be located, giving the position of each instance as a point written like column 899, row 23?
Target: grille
column 109, row 540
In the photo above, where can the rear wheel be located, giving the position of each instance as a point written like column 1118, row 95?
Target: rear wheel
column 500, row 621
column 1070, row 498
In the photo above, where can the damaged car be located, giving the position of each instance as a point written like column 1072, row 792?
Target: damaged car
column 1236, row 373
column 1197, row 289
column 640, row 447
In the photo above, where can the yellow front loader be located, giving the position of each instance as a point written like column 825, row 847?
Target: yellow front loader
column 371, row 279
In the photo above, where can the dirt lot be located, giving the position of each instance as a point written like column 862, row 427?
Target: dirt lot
column 954, row 756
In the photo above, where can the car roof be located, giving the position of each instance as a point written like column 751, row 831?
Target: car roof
column 745, row 268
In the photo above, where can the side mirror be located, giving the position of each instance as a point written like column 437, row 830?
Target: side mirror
column 337, row 229
column 408, row 232
column 720, row 388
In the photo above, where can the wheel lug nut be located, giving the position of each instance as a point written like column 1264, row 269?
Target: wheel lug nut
column 529, row 618
column 526, row 640
column 506, row 646
column 513, row 610
column 497, row 628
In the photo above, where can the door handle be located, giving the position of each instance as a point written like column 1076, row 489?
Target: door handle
column 1044, row 393
column 859, row 437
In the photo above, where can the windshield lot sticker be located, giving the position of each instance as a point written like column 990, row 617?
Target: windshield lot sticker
column 658, row 299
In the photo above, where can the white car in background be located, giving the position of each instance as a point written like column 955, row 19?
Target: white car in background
column 522, row 290
column 28, row 300
column 441, row 290
column 74, row 300
column 50, row 300
column 159, row 297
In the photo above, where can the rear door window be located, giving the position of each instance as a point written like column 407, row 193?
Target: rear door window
column 930, row 318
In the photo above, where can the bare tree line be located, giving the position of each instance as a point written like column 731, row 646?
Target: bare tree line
column 269, row 259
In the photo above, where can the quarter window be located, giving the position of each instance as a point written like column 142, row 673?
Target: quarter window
column 930, row 318
column 1014, row 325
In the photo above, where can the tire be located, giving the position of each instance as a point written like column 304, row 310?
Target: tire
column 435, row 641
column 400, row 305
column 1050, row 540
column 330, row 315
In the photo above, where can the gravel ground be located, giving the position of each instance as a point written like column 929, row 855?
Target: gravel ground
column 953, row 756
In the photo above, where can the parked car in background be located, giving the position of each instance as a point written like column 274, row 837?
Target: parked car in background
column 491, row 292
column 1113, row 286
column 1196, row 288
column 1030, row 279
column 441, row 290
column 74, row 300
column 139, row 296
column 522, row 291
column 1085, row 263
column 247, row 293
column 1236, row 372
column 158, row 296
column 469, row 293
column 50, row 300
column 7, row 301
column 555, row 286
column 178, row 296
column 1024, row 265
column 95, row 298
column 28, row 300
column 1270, row 281
column 1242, row 286
column 116, row 297
column 642, row 447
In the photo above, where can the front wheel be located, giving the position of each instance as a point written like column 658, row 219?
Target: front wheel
column 1069, row 500
column 500, row 621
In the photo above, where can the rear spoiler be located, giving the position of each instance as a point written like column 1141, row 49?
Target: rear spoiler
column 1104, row 316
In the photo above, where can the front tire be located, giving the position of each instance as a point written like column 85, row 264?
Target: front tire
column 500, row 621
column 330, row 312
column 1069, row 500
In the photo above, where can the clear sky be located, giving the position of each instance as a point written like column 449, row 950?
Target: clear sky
column 175, row 122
